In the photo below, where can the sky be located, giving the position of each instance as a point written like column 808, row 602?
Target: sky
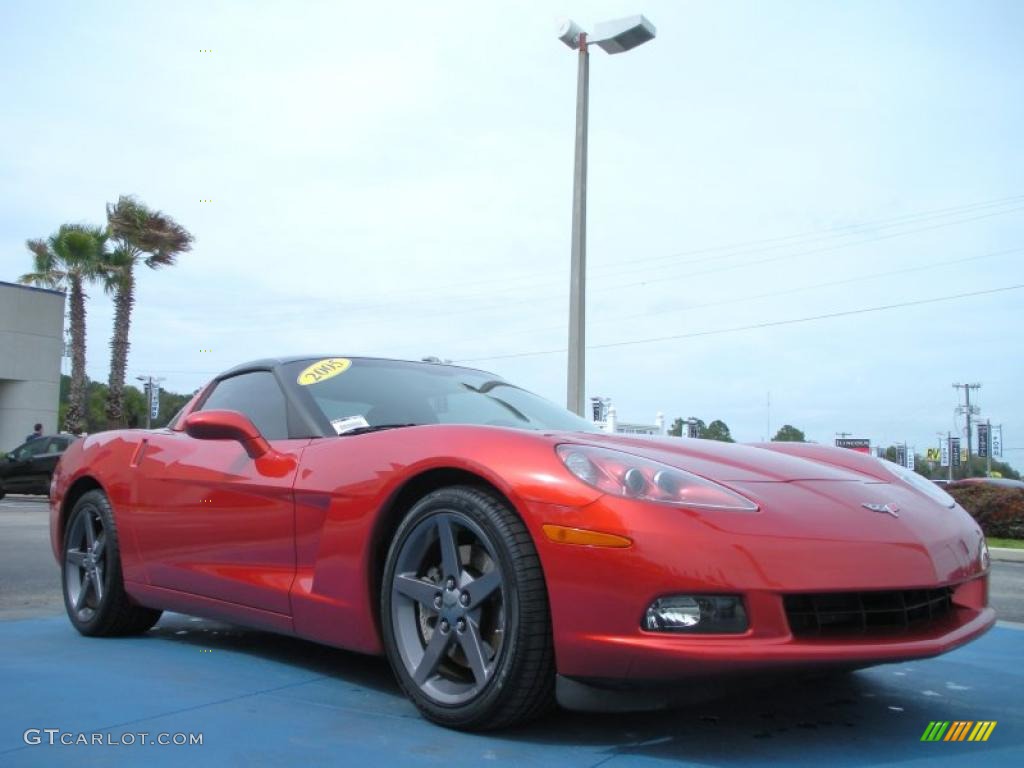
column 395, row 179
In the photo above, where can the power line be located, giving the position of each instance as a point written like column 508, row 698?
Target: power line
column 724, row 268
column 418, row 298
column 813, row 251
column 825, row 234
column 503, row 305
column 755, row 326
column 790, row 291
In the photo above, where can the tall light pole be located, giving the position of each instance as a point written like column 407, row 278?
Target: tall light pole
column 613, row 37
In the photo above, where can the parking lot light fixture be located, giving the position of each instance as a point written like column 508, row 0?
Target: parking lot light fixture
column 614, row 36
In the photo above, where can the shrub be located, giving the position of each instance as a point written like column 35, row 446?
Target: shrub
column 999, row 511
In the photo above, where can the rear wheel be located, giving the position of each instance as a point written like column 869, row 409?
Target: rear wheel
column 465, row 613
column 94, row 595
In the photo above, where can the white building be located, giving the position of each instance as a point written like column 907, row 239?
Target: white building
column 31, row 344
column 605, row 417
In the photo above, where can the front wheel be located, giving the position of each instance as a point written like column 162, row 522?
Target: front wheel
column 465, row 614
column 94, row 595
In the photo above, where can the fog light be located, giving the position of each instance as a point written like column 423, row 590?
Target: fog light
column 697, row 613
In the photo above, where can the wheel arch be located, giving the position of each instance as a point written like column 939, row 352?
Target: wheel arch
column 77, row 490
column 400, row 502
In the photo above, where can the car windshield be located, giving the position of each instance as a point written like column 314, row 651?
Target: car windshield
column 356, row 394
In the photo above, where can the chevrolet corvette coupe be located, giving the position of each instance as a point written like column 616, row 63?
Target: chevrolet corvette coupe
column 501, row 552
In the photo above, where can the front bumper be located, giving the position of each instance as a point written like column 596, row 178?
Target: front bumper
column 598, row 596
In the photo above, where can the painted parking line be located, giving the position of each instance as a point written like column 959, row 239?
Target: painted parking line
column 259, row 699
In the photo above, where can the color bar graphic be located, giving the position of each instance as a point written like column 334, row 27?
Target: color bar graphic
column 958, row 730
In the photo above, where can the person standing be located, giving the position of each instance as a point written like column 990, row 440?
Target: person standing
column 37, row 432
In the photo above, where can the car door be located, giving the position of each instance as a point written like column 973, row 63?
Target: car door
column 21, row 471
column 41, row 465
column 211, row 521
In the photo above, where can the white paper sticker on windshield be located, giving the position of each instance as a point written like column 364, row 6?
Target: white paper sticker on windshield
column 347, row 424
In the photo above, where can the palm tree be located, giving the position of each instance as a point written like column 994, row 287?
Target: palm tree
column 68, row 260
column 139, row 235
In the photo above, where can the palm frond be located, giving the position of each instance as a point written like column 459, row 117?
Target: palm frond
column 154, row 233
column 117, row 266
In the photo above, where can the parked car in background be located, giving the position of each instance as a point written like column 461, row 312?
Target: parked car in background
column 29, row 467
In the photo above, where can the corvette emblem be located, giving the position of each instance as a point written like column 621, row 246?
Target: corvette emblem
column 888, row 509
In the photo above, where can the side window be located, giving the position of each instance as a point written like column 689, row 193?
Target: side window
column 32, row 448
column 258, row 396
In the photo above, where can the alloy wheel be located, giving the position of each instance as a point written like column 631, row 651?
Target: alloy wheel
column 85, row 564
column 448, row 607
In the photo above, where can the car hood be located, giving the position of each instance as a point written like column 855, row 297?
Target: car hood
column 733, row 462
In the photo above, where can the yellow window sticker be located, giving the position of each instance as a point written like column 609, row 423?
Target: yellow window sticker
column 323, row 370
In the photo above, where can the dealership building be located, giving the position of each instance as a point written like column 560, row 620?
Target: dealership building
column 31, row 345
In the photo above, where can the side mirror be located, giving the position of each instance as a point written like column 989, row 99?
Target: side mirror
column 227, row 425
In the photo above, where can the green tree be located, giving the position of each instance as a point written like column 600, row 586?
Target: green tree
column 718, row 430
column 140, row 235
column 789, row 434
column 135, row 405
column 68, row 260
column 677, row 427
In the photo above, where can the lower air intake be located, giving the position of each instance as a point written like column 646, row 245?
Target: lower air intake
column 845, row 613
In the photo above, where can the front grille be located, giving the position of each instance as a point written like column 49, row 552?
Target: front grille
column 844, row 613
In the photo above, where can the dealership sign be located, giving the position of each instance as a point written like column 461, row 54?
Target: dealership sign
column 854, row 444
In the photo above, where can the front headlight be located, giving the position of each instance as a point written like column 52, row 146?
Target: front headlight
column 922, row 484
column 634, row 477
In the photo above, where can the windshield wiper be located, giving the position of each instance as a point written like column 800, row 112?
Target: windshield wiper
column 375, row 428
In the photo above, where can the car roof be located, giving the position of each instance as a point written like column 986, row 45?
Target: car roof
column 268, row 363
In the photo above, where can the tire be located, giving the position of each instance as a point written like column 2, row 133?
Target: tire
column 497, row 604
column 92, row 557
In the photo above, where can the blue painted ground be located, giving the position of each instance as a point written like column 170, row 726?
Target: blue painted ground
column 260, row 699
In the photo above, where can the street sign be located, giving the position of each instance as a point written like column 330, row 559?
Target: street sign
column 858, row 444
column 911, row 459
column 944, row 453
column 933, row 454
column 954, row 449
column 901, row 455
column 997, row 442
column 154, row 401
column 983, row 434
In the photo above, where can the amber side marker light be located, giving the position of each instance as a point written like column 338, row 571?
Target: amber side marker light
column 565, row 535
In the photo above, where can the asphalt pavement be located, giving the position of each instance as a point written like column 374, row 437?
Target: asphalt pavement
column 259, row 699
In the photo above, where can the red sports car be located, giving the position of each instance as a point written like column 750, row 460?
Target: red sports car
column 502, row 552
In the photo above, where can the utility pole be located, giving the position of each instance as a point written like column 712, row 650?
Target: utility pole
column 969, row 411
column 988, row 448
column 949, row 450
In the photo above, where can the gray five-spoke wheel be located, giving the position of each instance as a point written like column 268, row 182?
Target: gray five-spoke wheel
column 447, row 607
column 85, row 561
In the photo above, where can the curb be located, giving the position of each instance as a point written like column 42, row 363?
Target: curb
column 1006, row 555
